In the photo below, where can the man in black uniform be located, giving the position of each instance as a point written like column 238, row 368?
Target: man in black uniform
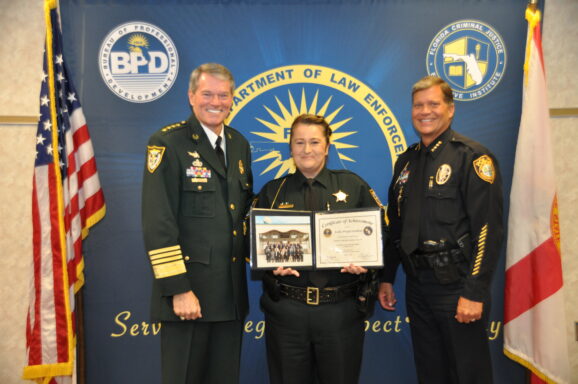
column 196, row 190
column 445, row 214
column 314, row 326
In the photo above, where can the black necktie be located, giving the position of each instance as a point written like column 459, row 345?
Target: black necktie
column 410, row 230
column 220, row 153
column 319, row 279
column 310, row 195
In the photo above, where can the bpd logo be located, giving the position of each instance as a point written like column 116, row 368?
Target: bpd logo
column 138, row 62
column 366, row 134
column 470, row 56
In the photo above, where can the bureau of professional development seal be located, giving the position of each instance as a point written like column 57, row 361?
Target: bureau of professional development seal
column 470, row 55
column 138, row 62
column 366, row 139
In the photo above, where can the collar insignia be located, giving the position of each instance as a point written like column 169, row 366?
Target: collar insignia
column 340, row 196
column 436, row 146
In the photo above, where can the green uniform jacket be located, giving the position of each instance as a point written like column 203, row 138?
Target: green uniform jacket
column 192, row 215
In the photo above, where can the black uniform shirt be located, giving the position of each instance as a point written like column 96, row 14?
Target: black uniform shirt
column 289, row 193
column 462, row 194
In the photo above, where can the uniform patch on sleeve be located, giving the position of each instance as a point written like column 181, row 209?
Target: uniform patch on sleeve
column 484, row 167
column 154, row 157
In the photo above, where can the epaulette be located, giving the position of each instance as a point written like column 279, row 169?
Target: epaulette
column 414, row 146
column 472, row 144
column 172, row 127
column 342, row 171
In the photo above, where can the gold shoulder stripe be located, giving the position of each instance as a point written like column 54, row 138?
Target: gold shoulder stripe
column 378, row 202
column 484, row 167
column 277, row 194
column 481, row 250
column 374, row 195
column 154, row 157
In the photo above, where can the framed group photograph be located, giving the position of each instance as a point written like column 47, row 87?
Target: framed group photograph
column 316, row 240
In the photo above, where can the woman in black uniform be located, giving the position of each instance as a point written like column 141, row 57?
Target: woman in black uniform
column 305, row 339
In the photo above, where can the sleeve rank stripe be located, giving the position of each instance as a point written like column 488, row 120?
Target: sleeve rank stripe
column 167, row 260
column 168, row 254
column 163, row 250
column 481, row 249
column 169, row 269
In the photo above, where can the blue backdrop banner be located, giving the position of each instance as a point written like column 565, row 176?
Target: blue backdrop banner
column 353, row 61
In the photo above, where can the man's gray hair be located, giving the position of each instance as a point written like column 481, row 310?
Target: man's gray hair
column 213, row 69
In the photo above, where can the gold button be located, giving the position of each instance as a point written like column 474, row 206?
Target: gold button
column 234, row 232
column 187, row 258
column 234, row 259
column 199, row 187
column 232, row 206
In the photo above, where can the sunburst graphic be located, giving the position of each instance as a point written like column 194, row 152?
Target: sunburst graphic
column 278, row 130
column 137, row 41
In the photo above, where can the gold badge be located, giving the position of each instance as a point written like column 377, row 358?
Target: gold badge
column 154, row 157
column 197, row 163
column 194, row 154
column 241, row 168
column 484, row 167
column 286, row 205
column 340, row 196
column 443, row 174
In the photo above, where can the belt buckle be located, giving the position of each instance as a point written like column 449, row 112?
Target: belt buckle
column 315, row 292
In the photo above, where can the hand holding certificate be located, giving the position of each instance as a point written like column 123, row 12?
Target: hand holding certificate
column 316, row 240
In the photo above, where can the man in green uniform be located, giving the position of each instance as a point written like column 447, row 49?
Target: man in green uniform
column 445, row 216
column 196, row 190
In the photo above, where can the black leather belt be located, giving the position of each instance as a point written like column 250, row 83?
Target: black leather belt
column 431, row 259
column 316, row 296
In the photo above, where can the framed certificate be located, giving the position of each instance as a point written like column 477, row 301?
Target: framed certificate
column 315, row 240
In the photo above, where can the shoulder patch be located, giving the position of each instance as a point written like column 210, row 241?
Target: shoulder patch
column 154, row 157
column 484, row 167
column 171, row 127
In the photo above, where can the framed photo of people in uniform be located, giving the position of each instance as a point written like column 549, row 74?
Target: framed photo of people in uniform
column 281, row 238
column 316, row 240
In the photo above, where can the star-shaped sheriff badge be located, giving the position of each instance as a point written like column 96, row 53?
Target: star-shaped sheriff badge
column 340, row 196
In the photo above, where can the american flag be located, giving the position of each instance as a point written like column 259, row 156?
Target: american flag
column 66, row 201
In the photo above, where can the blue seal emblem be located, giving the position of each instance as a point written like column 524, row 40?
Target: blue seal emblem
column 470, row 55
column 138, row 62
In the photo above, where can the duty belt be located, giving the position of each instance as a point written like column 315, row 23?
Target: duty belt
column 316, row 296
column 427, row 260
